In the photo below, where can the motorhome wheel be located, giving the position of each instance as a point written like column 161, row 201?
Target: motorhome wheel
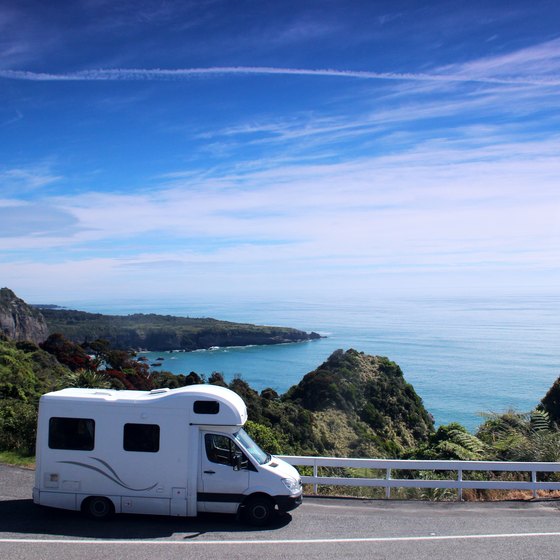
column 260, row 511
column 99, row 507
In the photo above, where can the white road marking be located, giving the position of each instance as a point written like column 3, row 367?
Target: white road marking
column 283, row 541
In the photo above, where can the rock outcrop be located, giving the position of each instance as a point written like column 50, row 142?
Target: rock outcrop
column 19, row 321
column 370, row 396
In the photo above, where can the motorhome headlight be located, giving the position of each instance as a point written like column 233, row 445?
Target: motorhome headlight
column 292, row 485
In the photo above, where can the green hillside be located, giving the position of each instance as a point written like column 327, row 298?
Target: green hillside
column 369, row 409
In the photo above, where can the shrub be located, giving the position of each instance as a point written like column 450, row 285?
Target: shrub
column 18, row 426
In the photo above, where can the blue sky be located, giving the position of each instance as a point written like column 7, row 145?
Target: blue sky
column 233, row 148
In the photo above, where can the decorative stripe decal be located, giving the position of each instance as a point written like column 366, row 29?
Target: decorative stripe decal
column 105, row 464
column 113, row 477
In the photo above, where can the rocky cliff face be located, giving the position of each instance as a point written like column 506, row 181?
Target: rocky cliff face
column 19, row 321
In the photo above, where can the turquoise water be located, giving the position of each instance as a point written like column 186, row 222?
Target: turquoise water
column 463, row 356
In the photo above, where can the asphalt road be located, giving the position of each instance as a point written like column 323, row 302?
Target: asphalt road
column 321, row 528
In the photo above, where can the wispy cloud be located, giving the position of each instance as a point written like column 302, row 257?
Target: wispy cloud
column 17, row 117
column 483, row 117
column 22, row 180
column 23, row 36
column 537, row 62
column 130, row 74
column 32, row 221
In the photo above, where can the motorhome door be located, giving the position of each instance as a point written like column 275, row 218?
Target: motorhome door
column 224, row 474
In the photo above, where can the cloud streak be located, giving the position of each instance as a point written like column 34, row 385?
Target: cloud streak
column 141, row 74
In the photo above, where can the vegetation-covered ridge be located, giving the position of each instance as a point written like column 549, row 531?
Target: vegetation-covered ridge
column 165, row 332
column 352, row 405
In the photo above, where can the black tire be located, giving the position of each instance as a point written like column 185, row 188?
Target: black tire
column 99, row 507
column 259, row 511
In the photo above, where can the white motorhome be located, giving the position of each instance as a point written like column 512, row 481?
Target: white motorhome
column 166, row 452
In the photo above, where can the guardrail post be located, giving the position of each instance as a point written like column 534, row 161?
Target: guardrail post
column 315, row 475
column 387, row 487
column 460, row 484
column 534, row 481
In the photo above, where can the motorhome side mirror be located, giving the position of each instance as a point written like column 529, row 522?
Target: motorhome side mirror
column 237, row 462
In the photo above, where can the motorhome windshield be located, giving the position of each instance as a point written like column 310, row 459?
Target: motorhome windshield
column 251, row 447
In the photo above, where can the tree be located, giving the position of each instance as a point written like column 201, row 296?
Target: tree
column 265, row 437
column 67, row 352
column 551, row 403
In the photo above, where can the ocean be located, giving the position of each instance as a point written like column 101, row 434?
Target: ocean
column 464, row 356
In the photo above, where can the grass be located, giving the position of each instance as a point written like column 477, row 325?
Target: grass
column 16, row 459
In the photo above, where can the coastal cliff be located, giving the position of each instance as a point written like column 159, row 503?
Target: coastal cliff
column 20, row 321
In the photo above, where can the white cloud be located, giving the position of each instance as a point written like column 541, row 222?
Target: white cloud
column 435, row 206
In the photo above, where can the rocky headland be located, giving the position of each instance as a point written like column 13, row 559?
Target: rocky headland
column 165, row 332
column 20, row 321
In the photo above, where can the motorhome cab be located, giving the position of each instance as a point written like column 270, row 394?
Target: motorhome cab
column 165, row 452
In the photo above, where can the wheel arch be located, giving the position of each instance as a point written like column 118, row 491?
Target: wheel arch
column 258, row 509
column 83, row 505
column 258, row 494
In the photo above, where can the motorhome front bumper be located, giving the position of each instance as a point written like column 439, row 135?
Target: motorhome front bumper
column 288, row 503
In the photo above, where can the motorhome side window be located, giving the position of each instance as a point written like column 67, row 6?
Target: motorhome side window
column 206, row 407
column 141, row 437
column 221, row 449
column 72, row 433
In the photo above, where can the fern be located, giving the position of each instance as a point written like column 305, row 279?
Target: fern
column 453, row 450
column 468, row 441
column 540, row 421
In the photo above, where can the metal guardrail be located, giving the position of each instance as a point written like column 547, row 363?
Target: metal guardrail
column 389, row 466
